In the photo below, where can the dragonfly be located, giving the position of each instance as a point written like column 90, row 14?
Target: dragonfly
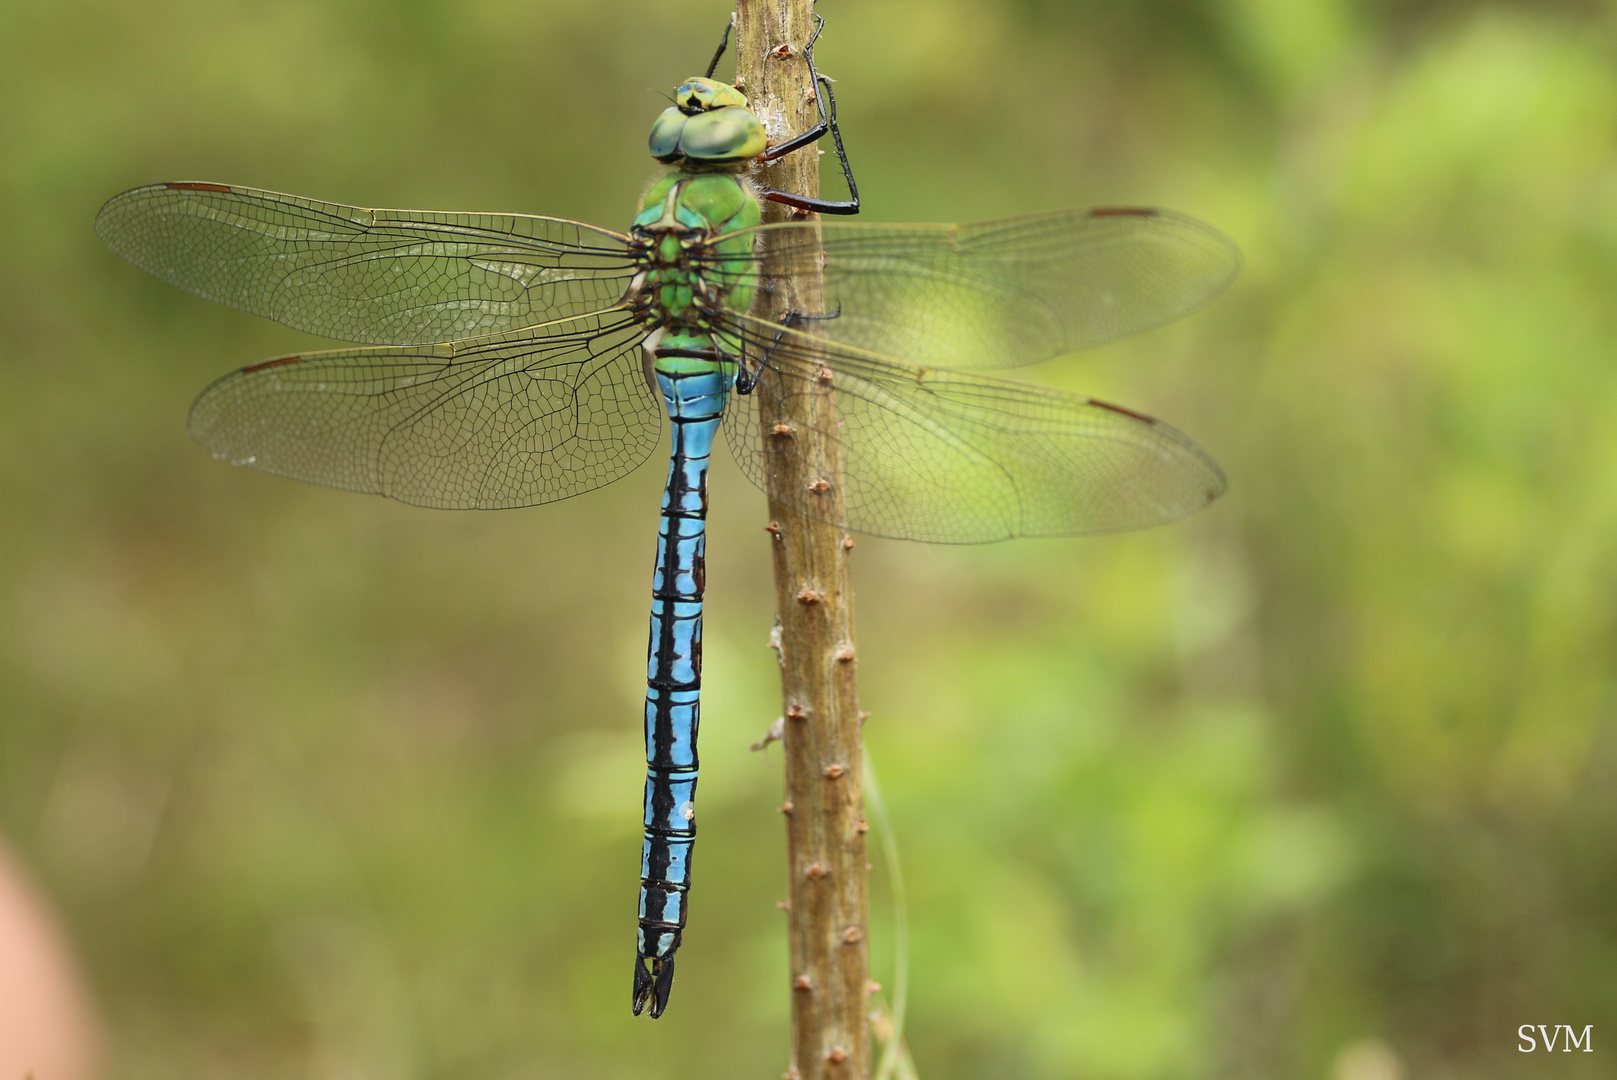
column 508, row 360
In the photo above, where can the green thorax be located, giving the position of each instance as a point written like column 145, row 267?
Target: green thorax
column 692, row 263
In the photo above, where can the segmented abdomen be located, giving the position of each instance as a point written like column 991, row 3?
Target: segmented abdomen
column 695, row 403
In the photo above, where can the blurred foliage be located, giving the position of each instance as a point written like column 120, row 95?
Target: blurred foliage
column 1322, row 783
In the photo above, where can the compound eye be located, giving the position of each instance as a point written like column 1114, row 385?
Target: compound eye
column 722, row 135
column 665, row 136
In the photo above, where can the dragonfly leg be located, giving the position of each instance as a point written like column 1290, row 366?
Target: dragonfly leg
column 828, row 121
column 792, row 318
column 826, row 102
column 747, row 377
column 724, row 43
column 746, row 374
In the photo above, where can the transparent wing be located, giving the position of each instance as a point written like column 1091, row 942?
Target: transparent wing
column 1006, row 293
column 384, row 277
column 950, row 457
column 498, row 422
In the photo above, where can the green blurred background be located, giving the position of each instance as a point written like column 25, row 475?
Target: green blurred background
column 1319, row 784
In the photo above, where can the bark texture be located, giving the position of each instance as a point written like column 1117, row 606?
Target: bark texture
column 828, row 903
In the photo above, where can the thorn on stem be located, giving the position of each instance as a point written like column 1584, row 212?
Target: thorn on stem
column 852, row 936
column 845, row 653
column 816, row 872
column 819, row 485
column 862, row 827
column 803, row 982
column 847, row 543
column 776, row 732
column 836, row 1055
column 796, row 712
column 809, row 596
column 833, row 771
column 787, row 807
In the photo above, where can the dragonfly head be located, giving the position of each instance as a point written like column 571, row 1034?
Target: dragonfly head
column 709, row 126
column 699, row 95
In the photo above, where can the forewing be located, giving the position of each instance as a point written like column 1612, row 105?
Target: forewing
column 1006, row 293
column 386, row 277
column 950, row 457
column 506, row 421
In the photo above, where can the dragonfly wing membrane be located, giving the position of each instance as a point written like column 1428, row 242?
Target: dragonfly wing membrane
column 506, row 421
column 955, row 457
column 383, row 277
column 1007, row 293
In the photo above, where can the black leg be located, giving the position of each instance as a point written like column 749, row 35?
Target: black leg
column 747, row 378
column 814, row 133
column 826, row 102
column 792, row 318
column 724, row 43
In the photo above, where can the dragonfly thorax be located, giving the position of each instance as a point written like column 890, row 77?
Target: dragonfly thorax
column 690, row 263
